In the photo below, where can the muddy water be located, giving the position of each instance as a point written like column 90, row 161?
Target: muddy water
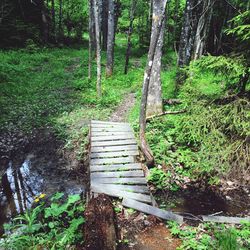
column 196, row 202
column 40, row 171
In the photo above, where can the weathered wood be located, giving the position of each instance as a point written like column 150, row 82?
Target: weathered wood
column 166, row 215
column 112, row 129
column 113, row 143
column 139, row 180
column 225, row 219
column 128, row 159
column 128, row 188
column 115, row 167
column 110, row 133
column 113, row 148
column 131, row 173
column 100, row 226
column 106, row 125
column 114, row 154
column 112, row 137
column 176, row 112
column 107, row 122
column 120, row 193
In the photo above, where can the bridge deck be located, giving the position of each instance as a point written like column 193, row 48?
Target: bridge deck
column 113, row 166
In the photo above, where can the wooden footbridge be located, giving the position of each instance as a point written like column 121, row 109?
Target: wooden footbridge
column 115, row 171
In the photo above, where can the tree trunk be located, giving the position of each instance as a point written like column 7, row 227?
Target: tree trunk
column 111, row 39
column 90, row 39
column 158, row 19
column 175, row 18
column 53, row 19
column 45, row 24
column 154, row 102
column 100, row 228
column 188, row 33
column 104, row 24
column 60, row 20
column 98, row 46
column 203, row 29
column 130, row 31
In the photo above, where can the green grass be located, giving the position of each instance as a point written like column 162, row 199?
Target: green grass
column 49, row 88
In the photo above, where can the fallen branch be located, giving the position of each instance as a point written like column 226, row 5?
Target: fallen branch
column 166, row 113
column 225, row 219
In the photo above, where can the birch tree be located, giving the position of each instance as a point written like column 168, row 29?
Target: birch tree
column 154, row 102
column 158, row 18
column 203, row 29
column 111, row 38
column 188, row 33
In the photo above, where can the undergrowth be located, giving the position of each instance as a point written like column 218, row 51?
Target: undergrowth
column 211, row 139
column 53, row 224
column 211, row 236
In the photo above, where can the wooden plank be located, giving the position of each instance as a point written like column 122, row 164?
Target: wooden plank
column 113, row 143
column 113, row 129
column 115, row 167
column 113, row 154
column 166, row 215
column 109, row 126
column 107, row 122
column 112, row 137
column 120, row 193
column 101, row 161
column 129, row 188
column 225, row 219
column 118, row 174
column 110, row 133
column 114, row 148
column 132, row 180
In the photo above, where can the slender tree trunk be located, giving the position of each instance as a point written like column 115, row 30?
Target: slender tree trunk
column 158, row 19
column 60, row 20
column 53, row 19
column 154, row 102
column 111, row 39
column 98, row 46
column 203, row 29
column 175, row 17
column 188, row 33
column 130, row 31
column 104, row 24
column 90, row 38
column 45, row 24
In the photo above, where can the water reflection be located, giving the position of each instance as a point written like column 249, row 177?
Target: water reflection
column 18, row 187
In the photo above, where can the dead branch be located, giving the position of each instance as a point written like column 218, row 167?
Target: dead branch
column 166, row 113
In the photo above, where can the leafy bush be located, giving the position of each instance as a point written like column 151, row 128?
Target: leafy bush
column 53, row 226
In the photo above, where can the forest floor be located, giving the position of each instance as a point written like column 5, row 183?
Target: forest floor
column 46, row 104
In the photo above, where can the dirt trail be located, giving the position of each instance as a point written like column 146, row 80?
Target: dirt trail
column 142, row 234
column 121, row 112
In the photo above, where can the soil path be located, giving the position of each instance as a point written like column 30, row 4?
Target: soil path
column 121, row 112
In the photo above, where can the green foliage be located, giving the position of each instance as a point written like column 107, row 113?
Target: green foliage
column 49, row 88
column 212, row 236
column 54, row 226
column 210, row 139
column 241, row 26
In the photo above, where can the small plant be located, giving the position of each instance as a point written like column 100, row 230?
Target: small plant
column 162, row 180
column 52, row 226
